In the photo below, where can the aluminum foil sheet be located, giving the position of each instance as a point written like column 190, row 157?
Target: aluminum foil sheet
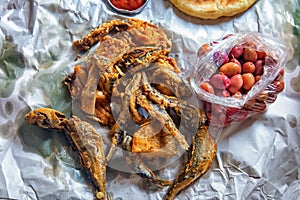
column 258, row 158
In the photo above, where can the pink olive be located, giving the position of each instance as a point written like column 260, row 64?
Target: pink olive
column 259, row 69
column 261, row 54
column 257, row 78
column 220, row 58
column 236, row 83
column 236, row 51
column 220, row 81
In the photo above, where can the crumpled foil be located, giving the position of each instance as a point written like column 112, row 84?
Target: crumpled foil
column 256, row 159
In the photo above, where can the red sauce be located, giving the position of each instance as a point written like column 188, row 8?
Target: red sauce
column 128, row 4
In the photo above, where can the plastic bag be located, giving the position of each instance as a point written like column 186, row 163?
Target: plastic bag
column 223, row 107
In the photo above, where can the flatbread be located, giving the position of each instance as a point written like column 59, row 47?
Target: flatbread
column 212, row 9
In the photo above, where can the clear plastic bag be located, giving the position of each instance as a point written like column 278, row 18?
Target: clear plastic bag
column 221, row 109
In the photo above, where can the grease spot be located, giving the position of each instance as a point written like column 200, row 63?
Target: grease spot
column 295, row 83
column 9, row 108
column 292, row 120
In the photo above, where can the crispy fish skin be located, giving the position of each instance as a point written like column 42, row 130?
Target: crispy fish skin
column 46, row 118
column 88, row 142
column 138, row 31
column 91, row 149
column 100, row 77
column 98, row 33
column 161, row 115
column 203, row 152
column 143, row 171
column 131, row 46
column 125, row 43
column 139, row 167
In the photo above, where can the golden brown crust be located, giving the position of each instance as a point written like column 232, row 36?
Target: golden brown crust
column 147, row 140
column 85, row 138
column 212, row 9
column 202, row 153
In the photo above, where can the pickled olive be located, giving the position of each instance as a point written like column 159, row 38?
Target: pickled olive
column 234, row 60
column 281, row 72
column 261, row 55
column 280, row 75
column 248, row 67
column 220, row 81
column 236, row 51
column 238, row 71
column 259, row 68
column 230, row 69
column 248, row 81
column 238, row 95
column 279, row 85
column 225, row 93
column 236, row 82
column 206, row 86
column 220, row 58
column 249, row 54
column 205, row 48
column 257, row 78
